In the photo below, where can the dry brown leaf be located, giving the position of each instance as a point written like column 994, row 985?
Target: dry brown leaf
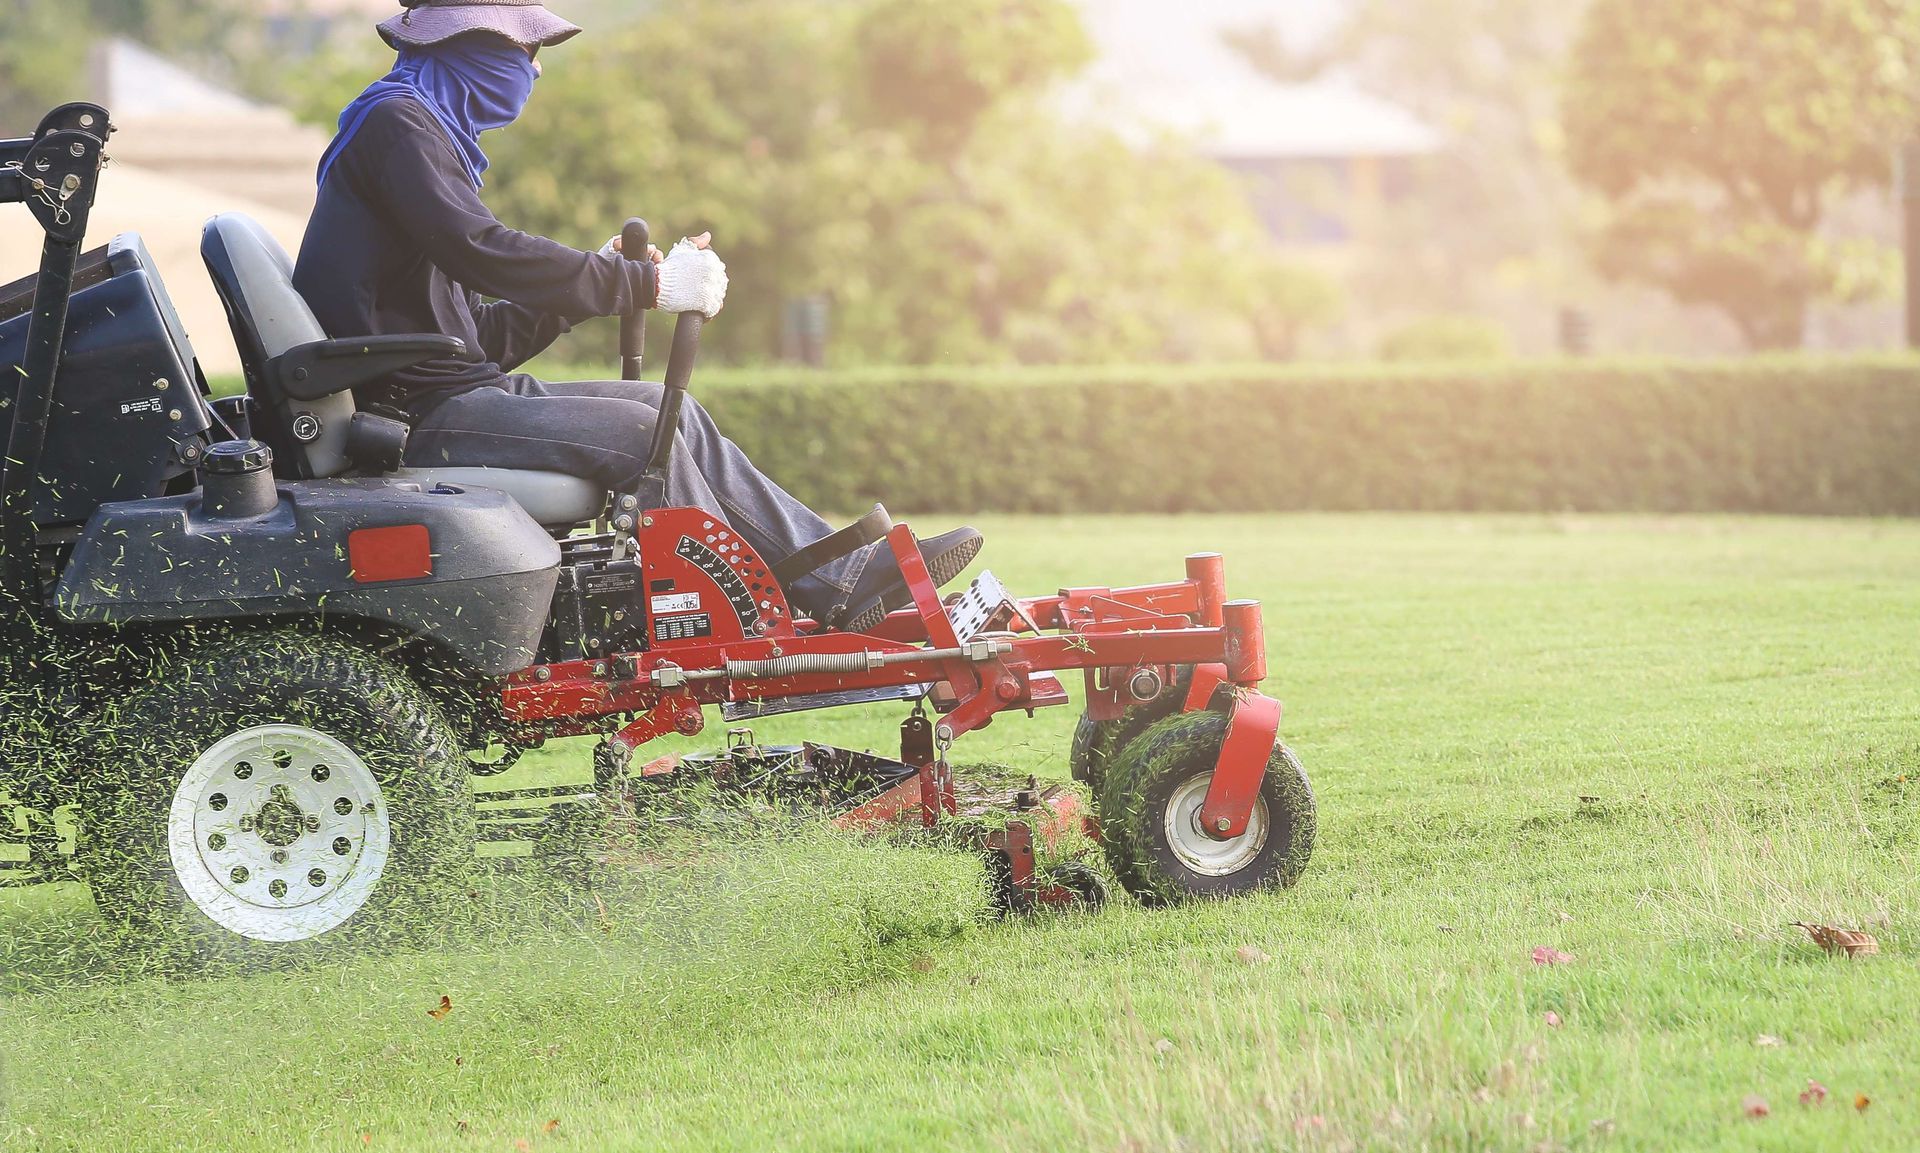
column 1861, row 1101
column 522, row 1144
column 551, row 1125
column 1163, row 1046
column 1814, row 1094
column 439, row 1012
column 1251, row 955
column 1766, row 1041
column 1553, row 1019
column 1548, row 955
column 1852, row 942
column 923, row 964
column 1602, row 1125
column 1754, row 1105
column 462, row 1125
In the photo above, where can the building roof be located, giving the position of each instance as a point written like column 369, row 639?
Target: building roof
column 185, row 149
column 1159, row 72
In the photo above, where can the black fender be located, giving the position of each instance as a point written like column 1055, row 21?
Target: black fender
column 465, row 569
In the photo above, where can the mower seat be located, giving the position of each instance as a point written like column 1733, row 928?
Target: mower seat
column 313, row 438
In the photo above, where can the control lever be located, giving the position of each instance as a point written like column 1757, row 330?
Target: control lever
column 635, row 241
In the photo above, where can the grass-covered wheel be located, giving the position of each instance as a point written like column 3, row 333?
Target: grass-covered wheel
column 1096, row 743
column 1150, row 799
column 268, row 791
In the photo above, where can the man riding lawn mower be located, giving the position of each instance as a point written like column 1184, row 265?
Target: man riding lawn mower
column 257, row 645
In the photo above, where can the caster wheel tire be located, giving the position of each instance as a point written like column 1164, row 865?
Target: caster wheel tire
column 1096, row 743
column 1149, row 817
column 270, row 796
column 1088, row 887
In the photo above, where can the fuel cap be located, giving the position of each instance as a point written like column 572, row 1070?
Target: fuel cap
column 236, row 457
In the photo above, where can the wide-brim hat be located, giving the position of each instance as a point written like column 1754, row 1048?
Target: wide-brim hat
column 525, row 22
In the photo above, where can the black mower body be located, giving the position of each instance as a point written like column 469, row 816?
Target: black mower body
column 465, row 570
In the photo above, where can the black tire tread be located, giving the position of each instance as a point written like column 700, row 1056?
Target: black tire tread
column 251, row 678
column 1132, row 799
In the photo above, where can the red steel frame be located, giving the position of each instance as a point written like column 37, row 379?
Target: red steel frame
column 1111, row 635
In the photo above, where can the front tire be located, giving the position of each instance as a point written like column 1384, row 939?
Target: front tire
column 1149, row 803
column 271, row 794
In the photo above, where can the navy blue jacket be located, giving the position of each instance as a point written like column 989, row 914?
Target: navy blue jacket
column 401, row 243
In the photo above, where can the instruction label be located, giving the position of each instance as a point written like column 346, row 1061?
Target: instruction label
column 677, row 603
column 683, row 628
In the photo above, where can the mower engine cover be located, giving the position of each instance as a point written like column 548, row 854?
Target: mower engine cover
column 466, row 569
column 128, row 421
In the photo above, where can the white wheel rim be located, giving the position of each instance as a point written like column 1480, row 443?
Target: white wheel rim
column 279, row 833
column 1189, row 841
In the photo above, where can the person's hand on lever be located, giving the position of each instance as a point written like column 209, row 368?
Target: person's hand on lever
column 615, row 247
column 693, row 278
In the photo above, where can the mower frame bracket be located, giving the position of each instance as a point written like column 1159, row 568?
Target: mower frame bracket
column 1253, row 729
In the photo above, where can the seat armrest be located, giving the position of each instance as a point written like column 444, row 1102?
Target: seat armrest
column 326, row 367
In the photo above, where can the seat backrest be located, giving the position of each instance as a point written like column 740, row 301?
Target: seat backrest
column 254, row 277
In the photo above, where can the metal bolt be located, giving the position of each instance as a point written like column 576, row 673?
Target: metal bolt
column 77, row 148
column 629, row 503
column 162, row 385
column 647, row 520
column 1222, row 825
column 71, row 184
column 173, row 414
column 312, row 824
column 279, row 856
column 599, row 668
column 543, row 673
column 623, row 523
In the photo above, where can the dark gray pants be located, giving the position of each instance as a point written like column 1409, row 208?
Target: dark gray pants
column 602, row 430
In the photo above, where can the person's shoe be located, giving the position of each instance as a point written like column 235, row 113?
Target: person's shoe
column 947, row 556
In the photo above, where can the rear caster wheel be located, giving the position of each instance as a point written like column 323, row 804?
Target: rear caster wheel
column 1150, row 803
column 1083, row 887
column 1096, row 743
column 268, row 791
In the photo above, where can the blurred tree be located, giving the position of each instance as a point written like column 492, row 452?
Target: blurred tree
column 1719, row 133
column 1487, row 224
column 939, row 67
column 976, row 230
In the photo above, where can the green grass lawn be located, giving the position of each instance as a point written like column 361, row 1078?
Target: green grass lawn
column 1648, row 743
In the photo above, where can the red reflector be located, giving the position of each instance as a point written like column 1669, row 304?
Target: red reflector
column 400, row 553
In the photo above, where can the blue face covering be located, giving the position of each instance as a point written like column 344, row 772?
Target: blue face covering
column 471, row 84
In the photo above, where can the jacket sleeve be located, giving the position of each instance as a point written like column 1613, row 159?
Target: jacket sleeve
column 512, row 334
column 425, row 191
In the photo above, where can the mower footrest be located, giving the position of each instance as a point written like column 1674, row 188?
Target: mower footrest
column 751, row 710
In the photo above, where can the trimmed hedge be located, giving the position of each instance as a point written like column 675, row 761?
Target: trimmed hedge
column 1769, row 435
column 1828, row 437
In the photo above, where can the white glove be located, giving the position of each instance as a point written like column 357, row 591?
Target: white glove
column 692, row 279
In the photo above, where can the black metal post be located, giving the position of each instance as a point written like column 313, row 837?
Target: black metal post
column 56, row 178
